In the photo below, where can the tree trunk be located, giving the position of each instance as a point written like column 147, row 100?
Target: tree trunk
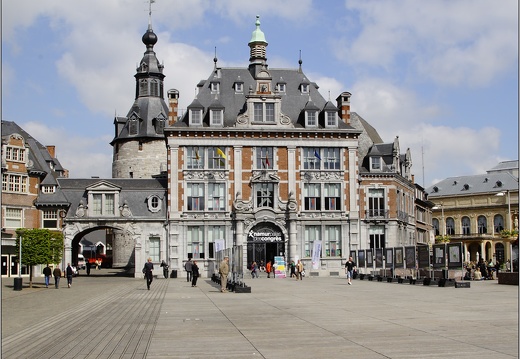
column 30, row 276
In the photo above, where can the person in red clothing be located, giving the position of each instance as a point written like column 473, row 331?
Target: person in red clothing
column 268, row 269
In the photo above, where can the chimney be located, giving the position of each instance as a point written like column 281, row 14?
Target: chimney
column 52, row 151
column 343, row 101
column 173, row 104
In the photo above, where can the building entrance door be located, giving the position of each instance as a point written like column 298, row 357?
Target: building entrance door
column 264, row 242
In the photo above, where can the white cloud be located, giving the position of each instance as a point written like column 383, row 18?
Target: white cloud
column 244, row 11
column 79, row 154
column 466, row 42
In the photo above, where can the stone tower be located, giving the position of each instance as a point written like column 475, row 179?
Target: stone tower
column 138, row 146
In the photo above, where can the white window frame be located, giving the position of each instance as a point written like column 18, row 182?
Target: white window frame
column 264, row 112
column 216, row 196
column 195, row 241
column 102, row 204
column 239, row 87
column 215, row 87
column 215, row 233
column 191, row 161
column 154, row 248
column 16, row 183
column 331, row 119
column 281, row 87
column 311, row 233
column 261, row 154
column 216, row 117
column 48, row 189
column 376, row 163
column 308, row 119
column 196, row 117
column 304, row 88
column 332, row 241
column 195, row 197
column 15, row 153
column 13, row 218
column 312, row 197
column 154, row 203
column 264, row 193
column 50, row 217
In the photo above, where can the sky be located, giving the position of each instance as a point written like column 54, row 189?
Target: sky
column 442, row 74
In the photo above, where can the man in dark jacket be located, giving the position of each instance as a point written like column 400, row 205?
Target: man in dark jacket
column 69, row 272
column 47, row 272
column 189, row 270
column 148, row 268
column 57, row 275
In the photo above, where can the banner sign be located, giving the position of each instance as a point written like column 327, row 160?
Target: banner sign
column 279, row 267
column 361, row 258
column 379, row 257
column 264, row 236
column 316, row 254
column 409, row 255
column 399, row 257
column 424, row 256
column 439, row 255
column 454, row 255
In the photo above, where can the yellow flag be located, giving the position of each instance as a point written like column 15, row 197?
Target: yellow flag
column 221, row 154
column 197, row 157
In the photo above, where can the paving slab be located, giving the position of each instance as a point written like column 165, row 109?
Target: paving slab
column 110, row 315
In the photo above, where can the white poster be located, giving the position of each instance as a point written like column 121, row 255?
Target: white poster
column 219, row 245
column 316, row 254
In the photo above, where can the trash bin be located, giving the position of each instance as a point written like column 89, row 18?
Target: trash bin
column 444, row 274
column 174, row 273
column 17, row 283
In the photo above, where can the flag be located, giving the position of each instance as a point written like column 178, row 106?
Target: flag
column 317, row 155
column 267, row 164
column 221, row 154
column 197, row 157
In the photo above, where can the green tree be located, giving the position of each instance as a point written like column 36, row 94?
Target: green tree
column 39, row 246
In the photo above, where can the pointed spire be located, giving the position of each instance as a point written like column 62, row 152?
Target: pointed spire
column 300, row 62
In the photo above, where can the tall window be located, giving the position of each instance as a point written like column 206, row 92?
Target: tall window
column 376, row 202
column 103, row 204
column 215, row 233
column 155, row 249
column 50, row 218
column 132, row 126
column 332, row 194
column 498, row 223
column 14, row 183
column 332, row 241
column 312, row 233
column 195, row 237
column 154, row 88
column 377, row 237
column 217, row 157
column 331, row 160
column 264, row 195
column 263, row 112
column 159, row 125
column 311, row 158
column 466, row 226
column 450, row 226
column 311, row 117
column 312, row 196
column 264, row 158
column 13, row 218
column 216, row 197
column 195, row 196
column 195, row 157
column 435, row 224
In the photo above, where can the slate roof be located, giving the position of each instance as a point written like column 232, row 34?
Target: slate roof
column 39, row 157
column 474, row 184
column 134, row 192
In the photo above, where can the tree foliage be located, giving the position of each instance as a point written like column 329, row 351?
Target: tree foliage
column 39, row 246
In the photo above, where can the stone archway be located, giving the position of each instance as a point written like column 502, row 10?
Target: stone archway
column 265, row 240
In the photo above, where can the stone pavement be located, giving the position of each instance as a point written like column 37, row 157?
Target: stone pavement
column 108, row 315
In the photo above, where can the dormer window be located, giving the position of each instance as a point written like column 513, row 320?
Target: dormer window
column 216, row 117
column 304, row 88
column 375, row 163
column 132, row 126
column 215, row 87
column 154, row 203
column 331, row 119
column 311, row 118
column 48, row 189
column 239, row 87
column 281, row 87
column 195, row 117
column 159, row 125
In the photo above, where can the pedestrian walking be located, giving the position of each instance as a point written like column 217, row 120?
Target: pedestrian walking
column 293, row 269
column 148, row 272
column 195, row 272
column 57, row 275
column 350, row 265
column 268, row 269
column 299, row 270
column 223, row 271
column 69, row 272
column 88, row 267
column 47, row 272
column 189, row 271
column 165, row 268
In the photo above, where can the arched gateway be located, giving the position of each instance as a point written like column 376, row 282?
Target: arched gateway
column 264, row 242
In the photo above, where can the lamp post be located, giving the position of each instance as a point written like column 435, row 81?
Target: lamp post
column 443, row 233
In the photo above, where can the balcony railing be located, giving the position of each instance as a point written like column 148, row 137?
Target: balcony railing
column 376, row 214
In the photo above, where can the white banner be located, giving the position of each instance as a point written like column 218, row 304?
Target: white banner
column 316, row 252
column 219, row 245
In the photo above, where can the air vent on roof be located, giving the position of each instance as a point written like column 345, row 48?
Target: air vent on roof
column 465, row 187
column 454, row 183
column 435, row 189
column 486, row 180
column 499, row 183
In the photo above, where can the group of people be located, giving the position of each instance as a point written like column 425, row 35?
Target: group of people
column 483, row 270
column 57, row 273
